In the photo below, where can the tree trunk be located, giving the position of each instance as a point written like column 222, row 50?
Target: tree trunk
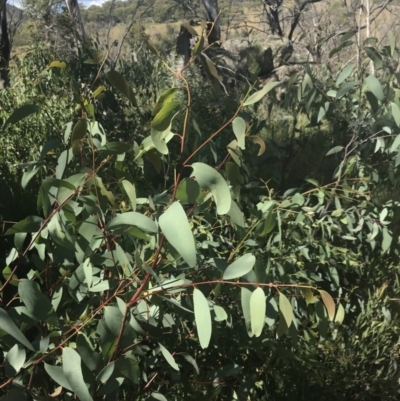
column 214, row 26
column 76, row 19
column 5, row 45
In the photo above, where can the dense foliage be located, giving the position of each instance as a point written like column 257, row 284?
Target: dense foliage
column 172, row 240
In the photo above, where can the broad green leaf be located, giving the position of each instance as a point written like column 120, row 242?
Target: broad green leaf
column 164, row 99
column 395, row 113
column 202, row 317
column 269, row 222
column 85, row 349
column 79, row 130
column 175, row 226
column 387, row 239
column 239, row 129
column 257, row 96
column 240, row 267
column 286, row 309
column 7, row 324
column 36, row 302
column 57, row 374
column 339, row 317
column 159, row 140
column 245, row 302
column 121, row 84
column 209, row 178
column 73, row 373
column 30, row 172
column 258, row 308
column 395, row 144
column 124, row 220
column 14, row 361
column 189, row 191
column 163, row 118
column 375, row 87
column 7, row 273
column 345, row 73
column 105, row 373
column 236, row 215
column 334, row 150
column 130, row 191
column 21, row 113
column 168, row 357
column 220, row 314
column 329, row 304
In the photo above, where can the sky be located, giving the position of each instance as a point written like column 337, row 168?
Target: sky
column 87, row 3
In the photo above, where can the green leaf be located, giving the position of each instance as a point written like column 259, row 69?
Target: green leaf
column 198, row 48
column 387, row 239
column 130, row 191
column 7, row 273
column 236, row 215
column 256, row 97
column 175, row 226
column 220, row 314
column 202, row 317
column 393, row 148
column 168, row 357
column 339, row 314
column 345, row 73
column 189, row 191
column 163, row 118
column 258, row 309
column 245, row 297
column 125, row 220
column 209, row 178
column 36, row 302
column 21, row 113
column 105, row 373
column 14, row 361
column 334, row 150
column 57, row 374
column 329, row 304
column 116, row 148
column 165, row 98
column 121, row 84
column 10, row 327
column 79, row 130
column 286, row 309
column 395, row 113
column 157, row 396
column 240, row 267
column 269, row 222
column 375, row 87
column 239, row 129
column 211, row 69
column 73, row 373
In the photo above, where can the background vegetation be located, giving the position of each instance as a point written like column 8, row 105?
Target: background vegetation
column 224, row 227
